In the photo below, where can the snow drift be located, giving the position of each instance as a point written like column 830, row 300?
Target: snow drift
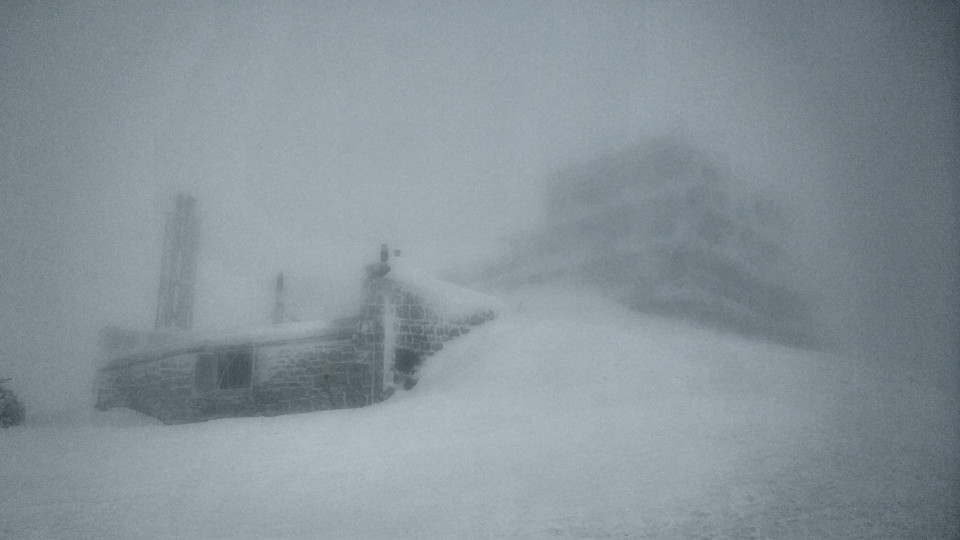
column 568, row 417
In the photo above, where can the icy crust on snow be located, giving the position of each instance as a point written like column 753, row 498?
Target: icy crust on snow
column 452, row 303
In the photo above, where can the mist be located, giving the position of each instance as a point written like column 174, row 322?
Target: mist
column 310, row 134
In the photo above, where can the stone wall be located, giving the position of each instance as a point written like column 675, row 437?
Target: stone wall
column 355, row 362
column 324, row 372
column 161, row 386
column 299, row 377
column 407, row 327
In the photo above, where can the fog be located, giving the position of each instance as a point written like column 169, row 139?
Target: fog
column 311, row 133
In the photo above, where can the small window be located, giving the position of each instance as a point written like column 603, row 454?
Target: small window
column 224, row 370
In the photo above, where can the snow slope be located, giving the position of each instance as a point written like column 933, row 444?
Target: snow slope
column 567, row 417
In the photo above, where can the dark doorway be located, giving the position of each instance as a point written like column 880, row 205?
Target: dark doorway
column 406, row 362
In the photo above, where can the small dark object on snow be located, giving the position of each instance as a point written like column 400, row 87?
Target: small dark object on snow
column 12, row 411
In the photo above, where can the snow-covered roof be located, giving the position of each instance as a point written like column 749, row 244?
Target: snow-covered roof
column 163, row 344
column 276, row 332
column 451, row 302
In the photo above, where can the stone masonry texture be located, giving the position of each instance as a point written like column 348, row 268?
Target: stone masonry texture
column 340, row 367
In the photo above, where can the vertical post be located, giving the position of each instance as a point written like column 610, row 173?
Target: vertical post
column 278, row 306
column 178, row 267
column 388, row 318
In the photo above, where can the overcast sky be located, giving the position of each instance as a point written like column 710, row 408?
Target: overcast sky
column 311, row 132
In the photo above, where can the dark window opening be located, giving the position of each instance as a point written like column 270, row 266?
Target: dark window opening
column 224, row 370
column 406, row 362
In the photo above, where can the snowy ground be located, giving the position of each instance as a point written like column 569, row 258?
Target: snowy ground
column 566, row 418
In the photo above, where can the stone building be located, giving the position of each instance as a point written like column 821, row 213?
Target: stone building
column 181, row 377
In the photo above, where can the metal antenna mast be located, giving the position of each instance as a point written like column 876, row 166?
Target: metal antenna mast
column 179, row 267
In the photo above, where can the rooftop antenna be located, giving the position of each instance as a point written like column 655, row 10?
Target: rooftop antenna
column 178, row 267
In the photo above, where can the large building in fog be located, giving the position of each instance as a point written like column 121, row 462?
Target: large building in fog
column 659, row 228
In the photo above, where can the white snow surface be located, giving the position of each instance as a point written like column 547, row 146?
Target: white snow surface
column 567, row 417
